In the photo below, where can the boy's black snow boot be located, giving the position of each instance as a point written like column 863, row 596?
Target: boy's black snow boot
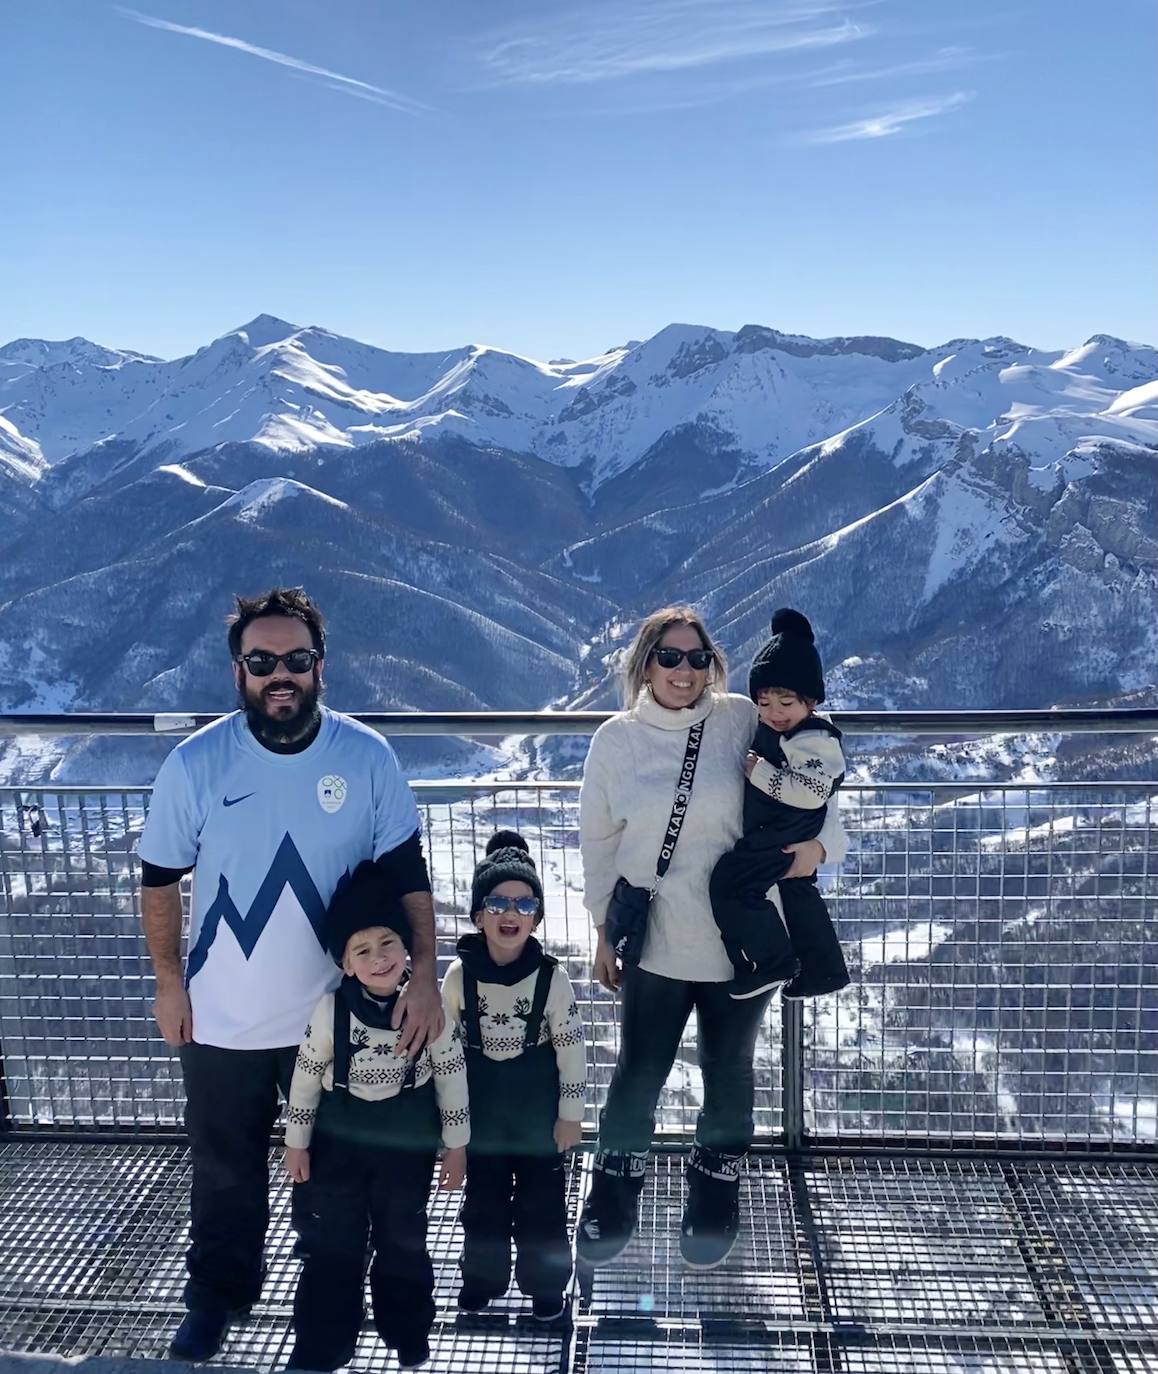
column 611, row 1211
column 711, row 1221
column 202, row 1333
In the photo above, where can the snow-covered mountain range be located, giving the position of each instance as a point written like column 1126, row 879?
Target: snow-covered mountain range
column 967, row 525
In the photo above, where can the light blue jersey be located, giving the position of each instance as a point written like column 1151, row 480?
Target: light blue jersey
column 269, row 836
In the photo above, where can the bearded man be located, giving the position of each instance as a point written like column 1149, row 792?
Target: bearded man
column 270, row 807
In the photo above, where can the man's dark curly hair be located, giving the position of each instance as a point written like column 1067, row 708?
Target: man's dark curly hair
column 290, row 601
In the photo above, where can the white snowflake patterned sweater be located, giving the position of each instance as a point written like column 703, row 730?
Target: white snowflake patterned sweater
column 376, row 1073
column 793, row 780
column 503, row 1011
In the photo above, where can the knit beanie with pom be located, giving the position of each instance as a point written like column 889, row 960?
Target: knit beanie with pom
column 507, row 859
column 789, row 659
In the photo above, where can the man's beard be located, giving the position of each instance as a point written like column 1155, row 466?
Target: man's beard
column 282, row 729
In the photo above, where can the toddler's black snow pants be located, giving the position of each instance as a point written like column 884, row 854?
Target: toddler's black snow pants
column 753, row 933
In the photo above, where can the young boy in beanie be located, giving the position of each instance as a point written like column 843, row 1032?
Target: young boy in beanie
column 363, row 1129
column 794, row 767
column 527, row 1068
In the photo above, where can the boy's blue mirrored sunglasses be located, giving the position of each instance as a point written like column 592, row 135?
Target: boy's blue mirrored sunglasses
column 523, row 906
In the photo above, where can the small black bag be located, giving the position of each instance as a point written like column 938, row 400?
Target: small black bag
column 626, row 921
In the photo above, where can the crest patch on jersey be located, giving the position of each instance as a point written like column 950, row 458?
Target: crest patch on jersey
column 331, row 792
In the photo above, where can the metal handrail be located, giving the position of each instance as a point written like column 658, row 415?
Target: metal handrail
column 467, row 788
column 1094, row 720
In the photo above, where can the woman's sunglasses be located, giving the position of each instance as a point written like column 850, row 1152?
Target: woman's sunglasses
column 523, row 906
column 672, row 658
column 259, row 663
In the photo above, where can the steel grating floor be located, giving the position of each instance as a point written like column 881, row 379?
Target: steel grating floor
column 847, row 1266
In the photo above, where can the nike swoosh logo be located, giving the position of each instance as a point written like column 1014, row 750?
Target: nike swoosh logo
column 232, row 801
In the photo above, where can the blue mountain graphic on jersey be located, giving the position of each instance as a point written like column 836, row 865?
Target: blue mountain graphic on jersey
column 287, row 870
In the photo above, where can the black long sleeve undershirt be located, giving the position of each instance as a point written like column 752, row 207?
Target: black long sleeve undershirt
column 404, row 865
column 153, row 875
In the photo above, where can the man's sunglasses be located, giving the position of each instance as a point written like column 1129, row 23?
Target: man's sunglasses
column 523, row 906
column 261, row 664
column 672, row 658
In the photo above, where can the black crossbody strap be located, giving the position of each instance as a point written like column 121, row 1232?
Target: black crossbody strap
column 682, row 797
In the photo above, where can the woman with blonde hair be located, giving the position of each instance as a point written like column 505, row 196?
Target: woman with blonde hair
column 661, row 801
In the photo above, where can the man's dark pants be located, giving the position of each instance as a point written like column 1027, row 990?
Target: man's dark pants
column 231, row 1106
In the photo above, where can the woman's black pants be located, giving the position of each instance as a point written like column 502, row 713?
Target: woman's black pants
column 653, row 1014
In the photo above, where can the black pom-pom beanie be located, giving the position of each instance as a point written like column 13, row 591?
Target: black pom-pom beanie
column 789, row 659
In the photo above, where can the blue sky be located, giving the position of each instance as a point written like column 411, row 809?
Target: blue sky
column 556, row 178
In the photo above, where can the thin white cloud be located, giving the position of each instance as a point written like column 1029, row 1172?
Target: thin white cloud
column 888, row 122
column 847, row 72
column 628, row 38
column 347, row 85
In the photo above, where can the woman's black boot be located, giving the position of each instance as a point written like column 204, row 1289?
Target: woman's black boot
column 611, row 1212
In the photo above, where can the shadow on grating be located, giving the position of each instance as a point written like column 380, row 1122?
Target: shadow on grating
column 103, row 1223
column 846, row 1265
column 786, row 1352
column 1105, row 1225
column 1135, row 1362
column 921, row 1242
column 76, row 1331
column 92, row 1246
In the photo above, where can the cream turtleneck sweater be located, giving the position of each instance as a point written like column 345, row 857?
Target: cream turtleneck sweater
column 624, row 807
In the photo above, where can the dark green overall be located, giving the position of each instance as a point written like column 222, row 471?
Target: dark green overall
column 515, row 1178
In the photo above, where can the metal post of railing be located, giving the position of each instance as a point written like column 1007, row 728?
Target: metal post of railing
column 792, row 1072
column 5, row 1111
column 5, row 1107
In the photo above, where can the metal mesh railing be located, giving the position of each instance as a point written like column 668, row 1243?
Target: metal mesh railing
column 76, row 1032
column 1004, row 950
column 1003, row 945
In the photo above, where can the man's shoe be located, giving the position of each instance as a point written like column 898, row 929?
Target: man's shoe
column 761, row 978
column 201, row 1334
column 548, row 1308
column 413, row 1354
column 611, row 1211
column 711, row 1220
